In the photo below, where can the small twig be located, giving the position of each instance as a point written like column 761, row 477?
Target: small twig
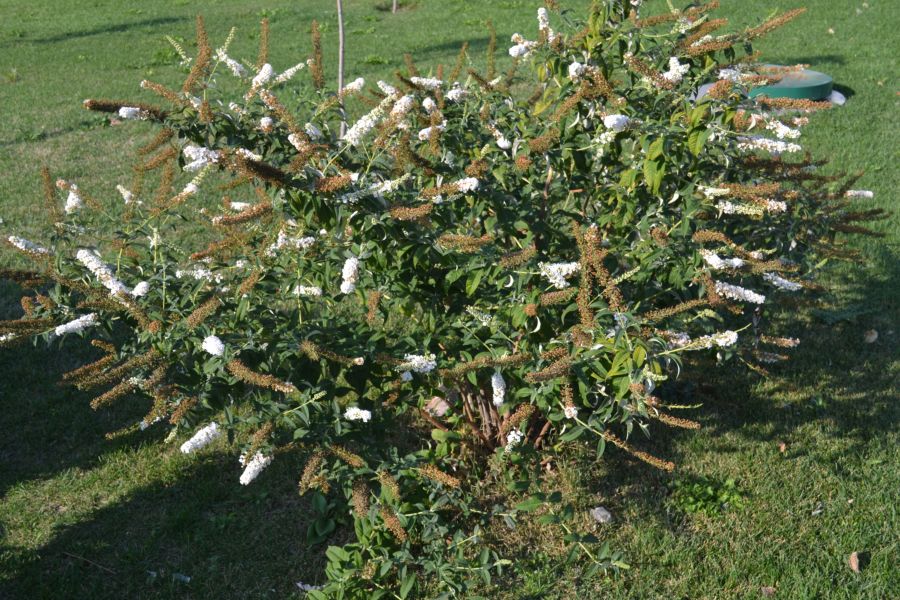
column 89, row 561
column 427, row 416
column 540, row 437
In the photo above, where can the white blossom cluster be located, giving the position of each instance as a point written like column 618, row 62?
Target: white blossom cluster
column 354, row 86
column 498, row 388
column 758, row 142
column 213, row 345
column 513, row 439
column 429, row 105
column 676, row 71
column 92, row 261
column 378, row 190
column 236, row 68
column 267, row 124
column 543, row 18
column 425, row 134
column 248, row 154
column 253, row 467
column 713, row 192
column 782, row 283
column 354, row 136
column 78, row 325
column 312, row 131
column 308, row 290
column 521, row 47
column 199, row 157
column 285, row 240
column 429, row 83
column 202, row 438
column 616, row 122
column 289, row 74
column 466, row 185
column 736, row 292
column 576, row 70
column 262, row 77
column 738, row 208
column 723, row 339
column 716, row 262
column 27, row 245
column 140, row 289
column 386, row 88
column 401, row 108
column 127, row 196
column 73, row 200
column 502, row 142
column 781, row 130
column 131, row 112
column 571, row 412
column 349, row 275
column 557, row 273
column 456, row 93
column 418, row 363
column 354, row 413
column 200, row 273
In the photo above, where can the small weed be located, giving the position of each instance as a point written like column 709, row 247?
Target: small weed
column 375, row 59
column 705, row 495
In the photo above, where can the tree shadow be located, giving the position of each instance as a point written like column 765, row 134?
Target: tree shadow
column 231, row 541
column 113, row 28
column 49, row 427
column 849, row 388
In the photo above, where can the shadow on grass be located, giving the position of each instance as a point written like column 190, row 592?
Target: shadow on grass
column 49, row 427
column 847, row 388
column 231, row 541
column 113, row 28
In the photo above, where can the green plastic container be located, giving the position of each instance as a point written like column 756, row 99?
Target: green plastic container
column 803, row 85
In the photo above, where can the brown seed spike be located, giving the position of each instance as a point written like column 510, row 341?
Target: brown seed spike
column 491, row 49
column 359, row 499
column 354, row 460
column 316, row 68
column 389, row 484
column 393, row 524
column 665, row 465
column 435, row 474
column 263, row 57
column 200, row 68
column 310, row 475
column 774, row 23
column 202, row 312
column 248, row 375
column 460, row 59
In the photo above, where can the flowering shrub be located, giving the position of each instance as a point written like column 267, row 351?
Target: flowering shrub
column 471, row 278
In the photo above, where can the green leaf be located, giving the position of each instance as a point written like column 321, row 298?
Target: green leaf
column 407, row 585
column 696, row 139
column 531, row 504
column 656, row 149
column 473, row 280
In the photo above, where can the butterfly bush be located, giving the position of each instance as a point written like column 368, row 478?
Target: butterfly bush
column 483, row 271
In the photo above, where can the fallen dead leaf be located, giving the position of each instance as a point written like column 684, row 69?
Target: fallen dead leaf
column 854, row 562
column 767, row 590
column 870, row 336
column 782, row 447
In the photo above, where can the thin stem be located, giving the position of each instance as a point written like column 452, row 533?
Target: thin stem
column 340, row 17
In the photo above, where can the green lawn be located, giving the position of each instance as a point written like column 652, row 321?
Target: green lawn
column 83, row 517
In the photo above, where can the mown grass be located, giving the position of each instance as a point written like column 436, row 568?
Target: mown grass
column 83, row 517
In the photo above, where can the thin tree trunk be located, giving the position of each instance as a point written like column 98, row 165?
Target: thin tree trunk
column 394, row 7
column 340, row 16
